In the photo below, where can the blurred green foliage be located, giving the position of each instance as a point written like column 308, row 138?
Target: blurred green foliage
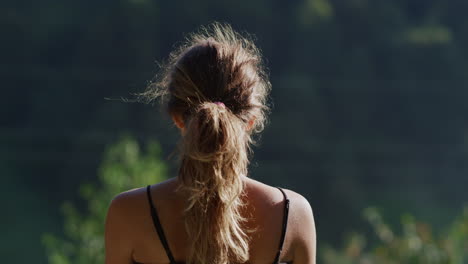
column 416, row 244
column 369, row 101
column 124, row 167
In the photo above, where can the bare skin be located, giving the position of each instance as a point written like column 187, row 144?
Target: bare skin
column 130, row 234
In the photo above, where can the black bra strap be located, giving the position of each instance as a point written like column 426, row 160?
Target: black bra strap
column 285, row 225
column 157, row 225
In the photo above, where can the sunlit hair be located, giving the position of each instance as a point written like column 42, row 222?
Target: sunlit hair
column 216, row 83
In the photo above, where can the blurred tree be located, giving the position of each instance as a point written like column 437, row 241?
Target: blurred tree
column 124, row 167
column 417, row 244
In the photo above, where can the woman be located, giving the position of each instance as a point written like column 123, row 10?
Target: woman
column 212, row 213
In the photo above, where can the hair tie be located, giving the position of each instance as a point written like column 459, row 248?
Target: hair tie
column 219, row 103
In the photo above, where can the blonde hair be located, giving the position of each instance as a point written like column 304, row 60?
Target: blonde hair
column 216, row 83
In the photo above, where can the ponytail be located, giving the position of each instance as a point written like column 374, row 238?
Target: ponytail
column 214, row 157
column 212, row 66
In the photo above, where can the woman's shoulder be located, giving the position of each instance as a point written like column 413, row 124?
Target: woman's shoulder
column 137, row 199
column 124, row 205
column 301, row 228
column 300, row 231
column 299, row 210
column 127, row 198
column 273, row 194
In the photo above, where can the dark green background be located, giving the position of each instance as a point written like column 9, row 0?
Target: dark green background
column 369, row 103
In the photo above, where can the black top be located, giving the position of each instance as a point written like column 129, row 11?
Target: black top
column 162, row 237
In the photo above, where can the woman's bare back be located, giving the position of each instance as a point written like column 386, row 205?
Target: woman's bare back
column 131, row 235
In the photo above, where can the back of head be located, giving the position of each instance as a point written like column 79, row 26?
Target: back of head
column 216, row 84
